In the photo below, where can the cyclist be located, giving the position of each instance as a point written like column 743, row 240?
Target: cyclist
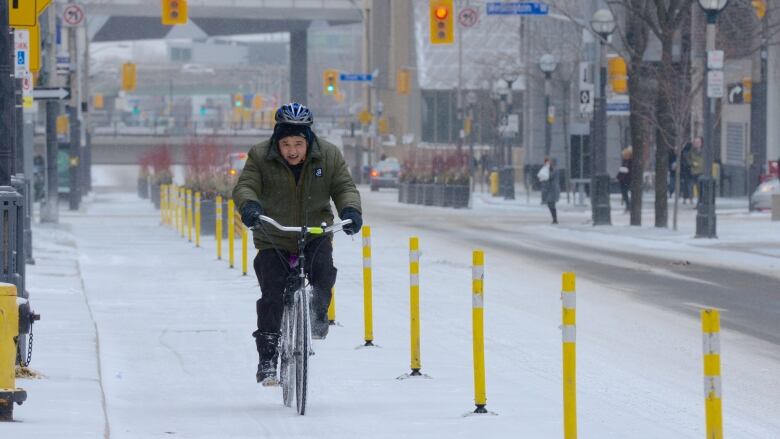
column 292, row 178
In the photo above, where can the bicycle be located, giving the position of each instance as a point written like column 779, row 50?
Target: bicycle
column 295, row 341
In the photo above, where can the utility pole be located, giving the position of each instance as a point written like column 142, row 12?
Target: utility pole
column 6, row 100
column 49, row 208
column 74, row 114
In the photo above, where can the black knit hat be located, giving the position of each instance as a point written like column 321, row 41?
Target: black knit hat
column 282, row 130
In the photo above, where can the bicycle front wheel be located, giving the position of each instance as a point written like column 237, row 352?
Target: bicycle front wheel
column 303, row 347
column 286, row 356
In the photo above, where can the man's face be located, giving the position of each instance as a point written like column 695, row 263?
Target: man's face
column 697, row 143
column 293, row 149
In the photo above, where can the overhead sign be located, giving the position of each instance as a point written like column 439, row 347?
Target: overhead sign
column 73, row 15
column 715, row 84
column 518, row 8
column 586, row 98
column 468, row 17
column 358, row 77
column 714, row 59
column 21, row 52
column 22, row 13
column 51, row 93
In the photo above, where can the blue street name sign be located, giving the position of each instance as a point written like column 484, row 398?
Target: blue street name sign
column 518, row 8
column 360, row 77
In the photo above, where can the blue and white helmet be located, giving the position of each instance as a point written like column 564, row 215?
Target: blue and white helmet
column 294, row 114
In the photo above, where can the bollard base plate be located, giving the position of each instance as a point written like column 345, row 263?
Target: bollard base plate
column 7, row 400
column 479, row 411
column 367, row 345
column 415, row 374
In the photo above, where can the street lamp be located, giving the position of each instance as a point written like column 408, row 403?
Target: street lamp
column 603, row 24
column 706, row 221
column 547, row 64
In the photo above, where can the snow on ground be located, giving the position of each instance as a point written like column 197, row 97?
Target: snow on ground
column 175, row 357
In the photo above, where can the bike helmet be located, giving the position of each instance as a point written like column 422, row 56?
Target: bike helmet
column 294, row 114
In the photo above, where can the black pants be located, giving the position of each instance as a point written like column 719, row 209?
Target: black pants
column 272, row 273
column 553, row 211
column 625, row 194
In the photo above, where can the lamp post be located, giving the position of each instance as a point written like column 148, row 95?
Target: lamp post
column 509, row 170
column 706, row 226
column 547, row 64
column 603, row 24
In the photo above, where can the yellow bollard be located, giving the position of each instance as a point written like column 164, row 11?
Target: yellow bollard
column 197, row 219
column 9, row 330
column 189, row 215
column 477, row 319
column 175, row 210
column 494, row 183
column 332, row 304
column 231, row 207
column 244, row 240
column 163, row 202
column 414, row 303
column 171, row 203
column 367, row 299
column 218, row 231
column 332, row 307
column 710, row 325
column 568, row 315
column 182, row 210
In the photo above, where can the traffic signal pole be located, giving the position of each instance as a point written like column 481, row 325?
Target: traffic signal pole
column 74, row 114
column 49, row 208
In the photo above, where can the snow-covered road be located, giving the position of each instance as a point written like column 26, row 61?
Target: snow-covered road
column 175, row 357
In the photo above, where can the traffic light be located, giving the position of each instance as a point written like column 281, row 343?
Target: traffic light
column 402, row 82
column 128, row 76
column 442, row 21
column 174, row 12
column 330, row 82
column 257, row 102
column 238, row 100
column 618, row 74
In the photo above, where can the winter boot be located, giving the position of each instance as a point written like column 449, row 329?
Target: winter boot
column 319, row 323
column 267, row 343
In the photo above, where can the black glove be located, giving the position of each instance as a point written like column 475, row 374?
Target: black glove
column 357, row 220
column 250, row 213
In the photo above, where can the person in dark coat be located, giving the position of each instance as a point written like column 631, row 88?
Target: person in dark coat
column 685, row 173
column 551, row 191
column 624, row 177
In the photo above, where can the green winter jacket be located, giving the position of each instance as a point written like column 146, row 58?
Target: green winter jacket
column 267, row 180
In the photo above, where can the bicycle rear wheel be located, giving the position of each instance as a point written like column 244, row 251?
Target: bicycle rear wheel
column 303, row 347
column 286, row 356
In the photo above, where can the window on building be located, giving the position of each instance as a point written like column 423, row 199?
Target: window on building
column 181, row 54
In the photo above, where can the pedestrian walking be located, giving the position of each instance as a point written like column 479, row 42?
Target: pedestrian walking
column 695, row 163
column 551, row 190
column 624, row 177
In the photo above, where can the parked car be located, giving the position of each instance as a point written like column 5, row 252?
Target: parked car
column 236, row 162
column 762, row 197
column 197, row 69
column 385, row 174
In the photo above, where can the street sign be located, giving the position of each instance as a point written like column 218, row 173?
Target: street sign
column 357, row 77
column 584, row 73
column 714, row 59
column 22, row 13
column 51, row 93
column 63, row 64
column 618, row 105
column 73, row 15
column 27, row 88
column 586, row 98
column 518, row 8
column 21, row 52
column 736, row 94
column 715, row 84
column 468, row 17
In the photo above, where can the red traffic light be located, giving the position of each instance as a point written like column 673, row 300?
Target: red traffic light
column 441, row 12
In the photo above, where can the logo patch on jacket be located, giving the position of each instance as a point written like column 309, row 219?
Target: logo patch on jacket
column 318, row 172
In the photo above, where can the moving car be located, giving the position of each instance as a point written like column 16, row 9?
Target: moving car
column 385, row 174
column 762, row 197
column 236, row 162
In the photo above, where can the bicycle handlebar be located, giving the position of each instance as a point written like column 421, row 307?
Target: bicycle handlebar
column 335, row 227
